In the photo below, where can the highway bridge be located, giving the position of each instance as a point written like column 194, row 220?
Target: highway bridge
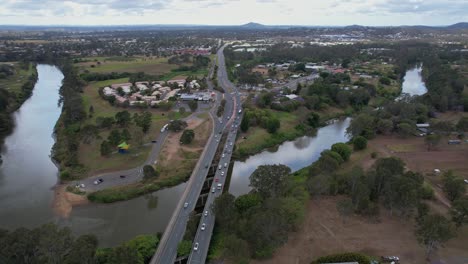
column 224, row 131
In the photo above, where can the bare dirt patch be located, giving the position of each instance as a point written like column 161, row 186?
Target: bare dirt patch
column 324, row 232
column 64, row 201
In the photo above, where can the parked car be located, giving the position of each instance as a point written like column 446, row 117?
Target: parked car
column 390, row 258
column 98, row 181
column 154, row 141
column 203, row 227
column 122, row 176
column 195, row 247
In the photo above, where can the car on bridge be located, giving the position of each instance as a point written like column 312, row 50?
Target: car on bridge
column 203, row 226
column 195, row 247
column 185, row 205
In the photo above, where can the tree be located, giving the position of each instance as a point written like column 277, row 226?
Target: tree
column 106, row 148
column 114, row 137
column 245, row 123
column 343, row 149
column 384, row 170
column 54, row 243
column 105, row 122
column 89, row 132
column 177, row 125
column 403, row 192
column 462, row 124
column 385, row 80
column 182, row 110
column 143, row 121
column 247, row 201
column 432, row 141
column 193, row 105
column 362, row 125
column 273, row 124
column 123, row 118
column 433, row 231
column 187, row 136
column 454, row 187
column 313, row 119
column 345, row 208
column 145, row 245
column 459, row 211
column 384, row 126
column 125, row 254
column 359, row 143
column 225, row 211
column 91, row 111
column 269, row 180
column 236, row 249
column 83, row 250
column 405, row 129
column 149, row 172
column 125, row 135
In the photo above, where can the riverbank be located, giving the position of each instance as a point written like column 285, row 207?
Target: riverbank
column 175, row 164
column 257, row 139
column 14, row 91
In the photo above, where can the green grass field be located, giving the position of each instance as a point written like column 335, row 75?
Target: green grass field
column 13, row 83
column 157, row 66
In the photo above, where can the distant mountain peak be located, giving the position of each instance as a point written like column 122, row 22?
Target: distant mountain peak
column 253, row 25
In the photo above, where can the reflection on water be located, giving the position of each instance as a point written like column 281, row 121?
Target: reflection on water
column 295, row 154
column 412, row 82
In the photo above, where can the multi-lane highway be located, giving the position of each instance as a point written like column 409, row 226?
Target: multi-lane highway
column 167, row 248
column 205, row 228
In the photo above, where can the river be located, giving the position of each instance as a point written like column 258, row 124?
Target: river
column 27, row 178
column 28, row 175
column 304, row 151
column 295, row 154
column 412, row 82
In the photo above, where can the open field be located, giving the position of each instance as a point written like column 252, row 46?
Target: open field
column 179, row 160
column 325, row 232
column 15, row 82
column 153, row 66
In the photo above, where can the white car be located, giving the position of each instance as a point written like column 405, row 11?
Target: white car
column 213, row 190
column 185, row 205
column 222, row 156
column 206, row 213
column 203, row 226
column 195, row 247
column 222, row 173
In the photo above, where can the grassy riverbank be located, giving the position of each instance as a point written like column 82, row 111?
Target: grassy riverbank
column 175, row 165
column 257, row 139
column 15, row 88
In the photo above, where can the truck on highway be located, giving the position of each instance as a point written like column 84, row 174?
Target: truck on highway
column 164, row 128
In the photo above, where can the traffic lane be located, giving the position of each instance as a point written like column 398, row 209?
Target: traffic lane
column 203, row 237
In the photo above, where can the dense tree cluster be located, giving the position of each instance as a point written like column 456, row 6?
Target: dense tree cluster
column 255, row 224
column 262, row 118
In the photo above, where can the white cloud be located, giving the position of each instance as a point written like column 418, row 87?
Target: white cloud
column 233, row 12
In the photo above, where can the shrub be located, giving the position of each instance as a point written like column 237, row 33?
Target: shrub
column 343, row 149
column 359, row 143
column 374, row 155
column 344, row 257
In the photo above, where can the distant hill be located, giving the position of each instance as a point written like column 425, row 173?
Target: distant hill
column 253, row 25
column 461, row 25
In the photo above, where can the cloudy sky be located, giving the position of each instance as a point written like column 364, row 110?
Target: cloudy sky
column 233, row 12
